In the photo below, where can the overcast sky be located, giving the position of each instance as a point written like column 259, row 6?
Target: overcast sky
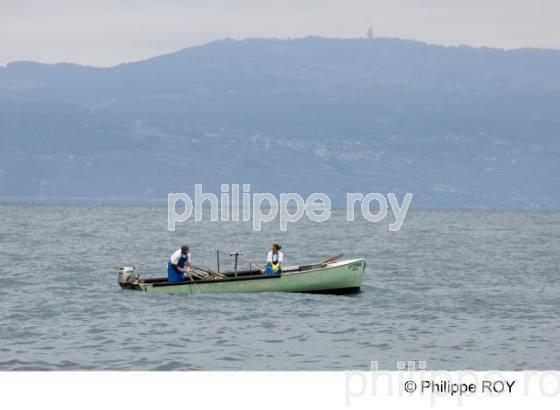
column 104, row 32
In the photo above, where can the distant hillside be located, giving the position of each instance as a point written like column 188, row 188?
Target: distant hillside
column 457, row 126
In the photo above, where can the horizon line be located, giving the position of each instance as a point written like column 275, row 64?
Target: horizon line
column 150, row 202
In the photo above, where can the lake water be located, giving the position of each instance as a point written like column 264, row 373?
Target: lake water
column 458, row 289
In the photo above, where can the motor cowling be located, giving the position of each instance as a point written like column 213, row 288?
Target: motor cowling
column 127, row 276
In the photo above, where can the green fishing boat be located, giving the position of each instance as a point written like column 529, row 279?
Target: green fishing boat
column 330, row 276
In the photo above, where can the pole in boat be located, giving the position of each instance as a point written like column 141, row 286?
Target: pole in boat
column 332, row 259
column 236, row 254
column 218, row 259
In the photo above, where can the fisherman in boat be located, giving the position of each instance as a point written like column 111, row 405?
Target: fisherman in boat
column 179, row 263
column 274, row 260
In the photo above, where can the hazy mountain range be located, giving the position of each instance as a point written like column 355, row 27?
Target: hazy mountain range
column 457, row 126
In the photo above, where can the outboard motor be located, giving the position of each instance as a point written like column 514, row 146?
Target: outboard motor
column 127, row 277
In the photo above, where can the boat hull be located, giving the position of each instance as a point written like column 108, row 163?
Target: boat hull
column 340, row 277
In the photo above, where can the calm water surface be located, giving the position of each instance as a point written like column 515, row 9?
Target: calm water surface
column 459, row 289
